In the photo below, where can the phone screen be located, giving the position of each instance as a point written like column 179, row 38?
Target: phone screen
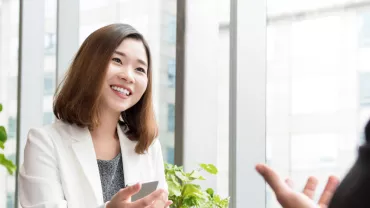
column 146, row 189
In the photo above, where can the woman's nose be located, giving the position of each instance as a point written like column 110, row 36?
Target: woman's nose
column 127, row 75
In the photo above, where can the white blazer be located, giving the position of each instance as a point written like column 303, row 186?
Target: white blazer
column 60, row 168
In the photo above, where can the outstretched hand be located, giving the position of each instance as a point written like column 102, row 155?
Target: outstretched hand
column 289, row 198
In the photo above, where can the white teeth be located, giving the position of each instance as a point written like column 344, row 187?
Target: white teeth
column 121, row 90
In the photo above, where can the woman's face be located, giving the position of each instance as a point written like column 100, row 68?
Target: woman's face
column 127, row 76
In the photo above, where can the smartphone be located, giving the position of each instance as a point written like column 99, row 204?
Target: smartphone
column 146, row 189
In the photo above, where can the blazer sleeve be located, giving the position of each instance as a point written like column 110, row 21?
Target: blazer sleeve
column 39, row 181
column 160, row 165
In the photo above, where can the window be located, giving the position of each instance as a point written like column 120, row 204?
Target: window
column 48, row 85
column 49, row 59
column 12, row 87
column 364, row 34
column 171, row 118
column 317, row 90
column 12, row 127
column 10, row 200
column 50, row 43
column 171, row 29
column 171, row 72
column 48, row 117
column 170, row 155
column 364, row 82
column 9, row 25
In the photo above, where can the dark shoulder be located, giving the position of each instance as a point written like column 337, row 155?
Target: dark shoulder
column 354, row 189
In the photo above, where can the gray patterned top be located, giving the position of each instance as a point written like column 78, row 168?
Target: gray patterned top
column 111, row 176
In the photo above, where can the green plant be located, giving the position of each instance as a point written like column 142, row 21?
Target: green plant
column 186, row 194
column 8, row 164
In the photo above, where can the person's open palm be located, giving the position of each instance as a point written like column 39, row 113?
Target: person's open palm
column 289, row 198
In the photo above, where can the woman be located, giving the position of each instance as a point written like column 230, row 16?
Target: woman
column 104, row 136
column 353, row 192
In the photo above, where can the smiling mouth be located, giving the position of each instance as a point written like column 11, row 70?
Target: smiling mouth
column 121, row 90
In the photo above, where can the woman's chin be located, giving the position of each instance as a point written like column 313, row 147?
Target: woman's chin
column 121, row 108
column 116, row 109
column 117, row 106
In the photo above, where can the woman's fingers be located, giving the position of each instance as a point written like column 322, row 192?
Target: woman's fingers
column 168, row 203
column 148, row 200
column 328, row 192
column 310, row 188
column 289, row 182
column 126, row 193
column 272, row 179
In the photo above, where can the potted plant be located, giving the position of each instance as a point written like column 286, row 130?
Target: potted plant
column 8, row 164
column 186, row 194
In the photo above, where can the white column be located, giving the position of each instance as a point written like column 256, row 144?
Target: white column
column 6, row 20
column 200, row 86
column 223, row 112
column 68, row 21
column 31, row 72
column 31, row 69
column 247, row 102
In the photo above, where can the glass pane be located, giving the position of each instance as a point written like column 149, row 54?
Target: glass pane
column 50, row 40
column 171, row 118
column 156, row 20
column 171, row 72
column 9, row 36
column 318, row 75
column 223, row 111
column 223, row 11
column 287, row 6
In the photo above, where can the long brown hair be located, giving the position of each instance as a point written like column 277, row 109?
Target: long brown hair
column 78, row 97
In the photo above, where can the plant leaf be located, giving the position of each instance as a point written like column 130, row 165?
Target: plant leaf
column 181, row 176
column 3, row 136
column 190, row 201
column 210, row 191
column 1, row 107
column 8, row 164
column 174, row 189
column 196, row 175
column 185, row 194
column 174, row 179
column 209, row 168
column 2, row 145
column 193, row 195
column 193, row 190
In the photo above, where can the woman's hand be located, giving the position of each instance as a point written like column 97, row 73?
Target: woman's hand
column 122, row 199
column 289, row 198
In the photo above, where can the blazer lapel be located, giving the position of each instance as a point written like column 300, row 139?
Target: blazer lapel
column 130, row 159
column 85, row 153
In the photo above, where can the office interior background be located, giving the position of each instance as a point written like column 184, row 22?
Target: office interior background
column 286, row 82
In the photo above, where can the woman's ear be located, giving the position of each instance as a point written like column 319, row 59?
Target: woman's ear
column 367, row 132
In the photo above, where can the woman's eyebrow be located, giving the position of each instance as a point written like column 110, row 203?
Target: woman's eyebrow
column 124, row 55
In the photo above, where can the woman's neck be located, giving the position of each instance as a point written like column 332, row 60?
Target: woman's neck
column 107, row 126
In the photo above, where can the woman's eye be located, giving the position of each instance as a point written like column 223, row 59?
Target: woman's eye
column 117, row 60
column 141, row 70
